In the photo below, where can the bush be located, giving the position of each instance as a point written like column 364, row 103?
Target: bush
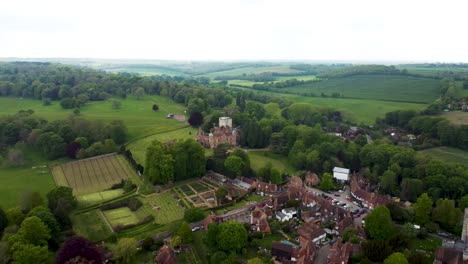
column 147, row 243
column 196, row 119
column 193, row 215
column 155, row 107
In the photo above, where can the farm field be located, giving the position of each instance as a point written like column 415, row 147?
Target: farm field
column 258, row 159
column 138, row 147
column 456, row 117
column 447, row 154
column 17, row 180
column 137, row 115
column 374, row 87
column 91, row 225
column 98, row 197
column 144, row 71
column 252, row 70
column 93, row 174
column 163, row 207
column 356, row 110
column 277, row 79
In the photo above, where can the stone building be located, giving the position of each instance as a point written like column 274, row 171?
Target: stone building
column 223, row 133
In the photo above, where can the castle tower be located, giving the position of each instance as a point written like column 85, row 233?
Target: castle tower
column 225, row 121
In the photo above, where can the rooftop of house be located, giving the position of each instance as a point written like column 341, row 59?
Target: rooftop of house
column 449, row 256
column 166, row 255
column 340, row 170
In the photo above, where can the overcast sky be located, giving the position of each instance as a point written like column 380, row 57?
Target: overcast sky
column 371, row 30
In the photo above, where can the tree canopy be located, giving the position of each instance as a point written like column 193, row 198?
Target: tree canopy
column 378, row 223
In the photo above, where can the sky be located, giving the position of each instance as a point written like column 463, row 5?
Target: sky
column 348, row 30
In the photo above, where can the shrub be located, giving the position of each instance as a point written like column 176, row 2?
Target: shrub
column 155, row 107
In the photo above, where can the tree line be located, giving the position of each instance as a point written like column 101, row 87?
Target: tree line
column 74, row 137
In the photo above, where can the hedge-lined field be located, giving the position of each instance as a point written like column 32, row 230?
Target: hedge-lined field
column 91, row 225
column 138, row 147
column 121, row 217
column 92, row 175
column 163, row 207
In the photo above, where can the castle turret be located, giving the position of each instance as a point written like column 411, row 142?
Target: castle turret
column 225, row 121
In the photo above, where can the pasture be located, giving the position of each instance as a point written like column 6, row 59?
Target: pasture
column 17, row 180
column 138, row 147
column 447, row 154
column 259, row 158
column 163, row 206
column 137, row 115
column 374, row 87
column 92, row 175
column 456, row 117
column 91, row 225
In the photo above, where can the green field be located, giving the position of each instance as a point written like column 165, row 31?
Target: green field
column 98, row 197
column 357, row 110
column 94, row 174
column 91, row 225
column 374, row 87
column 145, row 71
column 252, row 70
column 137, row 115
column 447, row 154
column 16, row 181
column 138, row 147
column 456, row 117
column 277, row 79
column 259, row 159
column 163, row 207
column 121, row 217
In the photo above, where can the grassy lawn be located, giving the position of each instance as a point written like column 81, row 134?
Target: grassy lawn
column 121, row 217
column 232, row 207
column 15, row 181
column 259, row 159
column 456, row 117
column 163, row 207
column 138, row 147
column 137, row 115
column 268, row 240
column 447, row 154
column 428, row 245
column 91, row 225
column 255, row 198
column 98, row 197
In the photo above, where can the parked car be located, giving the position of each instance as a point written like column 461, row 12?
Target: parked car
column 337, row 195
column 196, row 228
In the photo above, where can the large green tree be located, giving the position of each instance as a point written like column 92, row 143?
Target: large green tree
column 396, row 258
column 51, row 145
column 388, row 182
column 125, row 250
column 422, row 209
column 327, row 182
column 379, row 223
column 31, row 254
column 47, row 218
column 185, row 233
column 446, row 213
column 61, row 202
column 189, row 159
column 234, row 165
column 34, row 231
column 159, row 163
column 231, row 236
